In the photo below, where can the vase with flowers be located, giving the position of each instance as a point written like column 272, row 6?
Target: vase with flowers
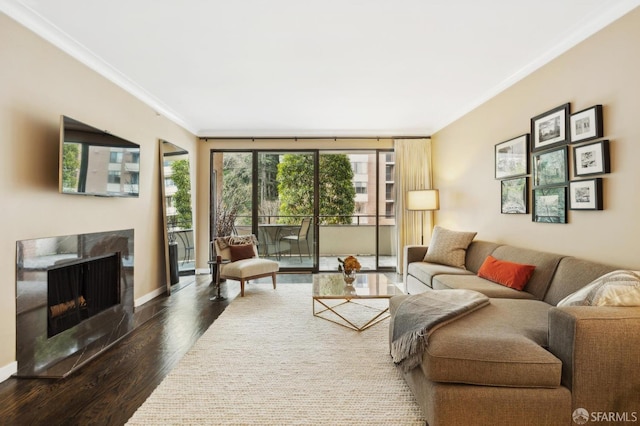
column 349, row 266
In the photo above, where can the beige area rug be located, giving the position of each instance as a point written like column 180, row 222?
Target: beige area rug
column 268, row 361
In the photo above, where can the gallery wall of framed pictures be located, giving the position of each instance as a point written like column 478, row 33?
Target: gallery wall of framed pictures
column 561, row 145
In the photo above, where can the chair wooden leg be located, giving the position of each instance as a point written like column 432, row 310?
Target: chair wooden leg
column 273, row 278
column 241, row 288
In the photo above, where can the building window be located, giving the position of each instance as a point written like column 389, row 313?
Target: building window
column 114, row 176
column 389, row 171
column 359, row 168
column 390, row 210
column 389, row 193
column 361, row 187
column 115, row 157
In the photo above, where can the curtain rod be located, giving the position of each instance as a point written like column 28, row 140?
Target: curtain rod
column 335, row 138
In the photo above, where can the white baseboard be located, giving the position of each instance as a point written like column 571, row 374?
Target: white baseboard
column 8, row 371
column 149, row 296
column 203, row 271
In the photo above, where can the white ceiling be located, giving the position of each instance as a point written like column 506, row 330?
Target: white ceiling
column 315, row 67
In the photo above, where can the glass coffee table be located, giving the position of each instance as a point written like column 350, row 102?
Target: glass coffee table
column 329, row 288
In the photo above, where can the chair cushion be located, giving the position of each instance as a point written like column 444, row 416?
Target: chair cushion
column 247, row 268
column 223, row 244
column 241, row 251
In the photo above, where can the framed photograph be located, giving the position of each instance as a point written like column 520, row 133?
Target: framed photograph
column 514, row 197
column 586, row 125
column 512, row 157
column 549, row 129
column 591, row 159
column 550, row 204
column 550, row 167
column 586, row 194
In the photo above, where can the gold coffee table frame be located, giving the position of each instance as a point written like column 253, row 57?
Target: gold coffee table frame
column 331, row 286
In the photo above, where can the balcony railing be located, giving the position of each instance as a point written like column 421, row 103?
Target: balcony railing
column 356, row 238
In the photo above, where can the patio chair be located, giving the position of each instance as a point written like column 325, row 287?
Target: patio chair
column 301, row 235
column 239, row 260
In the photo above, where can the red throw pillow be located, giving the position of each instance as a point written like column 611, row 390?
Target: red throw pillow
column 509, row 274
column 242, row 251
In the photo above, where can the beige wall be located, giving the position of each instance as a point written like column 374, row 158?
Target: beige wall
column 603, row 69
column 38, row 83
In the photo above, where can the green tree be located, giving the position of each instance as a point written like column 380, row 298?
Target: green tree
column 295, row 188
column 70, row 165
column 236, row 189
column 182, row 197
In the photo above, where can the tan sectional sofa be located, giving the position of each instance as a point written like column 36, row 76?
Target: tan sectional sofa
column 521, row 360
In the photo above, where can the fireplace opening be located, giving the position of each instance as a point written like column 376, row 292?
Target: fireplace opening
column 80, row 289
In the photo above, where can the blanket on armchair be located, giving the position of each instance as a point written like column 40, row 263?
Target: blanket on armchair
column 420, row 314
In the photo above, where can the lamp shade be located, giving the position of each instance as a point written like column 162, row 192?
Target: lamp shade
column 423, row 199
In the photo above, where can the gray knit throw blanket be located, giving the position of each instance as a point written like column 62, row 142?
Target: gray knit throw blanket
column 421, row 314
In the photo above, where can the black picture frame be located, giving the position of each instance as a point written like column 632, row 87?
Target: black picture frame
column 586, row 194
column 550, row 167
column 550, row 204
column 511, row 157
column 591, row 159
column 549, row 129
column 514, row 196
column 586, row 125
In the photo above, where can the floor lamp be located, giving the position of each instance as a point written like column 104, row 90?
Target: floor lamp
column 423, row 200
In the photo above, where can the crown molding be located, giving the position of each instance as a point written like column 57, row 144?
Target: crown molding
column 33, row 21
column 586, row 29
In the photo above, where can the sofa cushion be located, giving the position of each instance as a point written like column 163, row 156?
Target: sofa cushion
column 502, row 344
column 510, row 274
column 571, row 275
column 473, row 282
column 477, row 252
column 449, row 247
column 425, row 271
column 617, row 288
column 545, row 263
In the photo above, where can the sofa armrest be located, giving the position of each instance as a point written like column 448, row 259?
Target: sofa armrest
column 412, row 253
column 598, row 347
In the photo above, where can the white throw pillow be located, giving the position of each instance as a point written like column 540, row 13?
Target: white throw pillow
column 448, row 247
column 617, row 288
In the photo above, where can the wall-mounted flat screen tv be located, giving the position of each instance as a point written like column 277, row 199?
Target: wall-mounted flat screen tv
column 95, row 162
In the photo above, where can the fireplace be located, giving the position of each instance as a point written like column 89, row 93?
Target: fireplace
column 74, row 299
column 78, row 290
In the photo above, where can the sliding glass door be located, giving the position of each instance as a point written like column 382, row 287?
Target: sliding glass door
column 308, row 207
column 286, row 208
column 271, row 194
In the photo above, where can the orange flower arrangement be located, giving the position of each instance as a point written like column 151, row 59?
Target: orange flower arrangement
column 349, row 264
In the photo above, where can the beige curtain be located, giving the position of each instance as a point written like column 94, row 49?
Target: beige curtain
column 412, row 171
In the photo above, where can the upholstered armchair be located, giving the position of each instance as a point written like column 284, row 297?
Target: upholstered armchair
column 237, row 259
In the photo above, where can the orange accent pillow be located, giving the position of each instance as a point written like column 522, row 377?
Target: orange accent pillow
column 509, row 274
column 242, row 251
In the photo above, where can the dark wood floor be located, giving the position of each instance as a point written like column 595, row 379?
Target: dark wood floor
column 109, row 389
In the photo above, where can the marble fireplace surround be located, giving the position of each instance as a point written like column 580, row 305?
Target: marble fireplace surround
column 62, row 354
